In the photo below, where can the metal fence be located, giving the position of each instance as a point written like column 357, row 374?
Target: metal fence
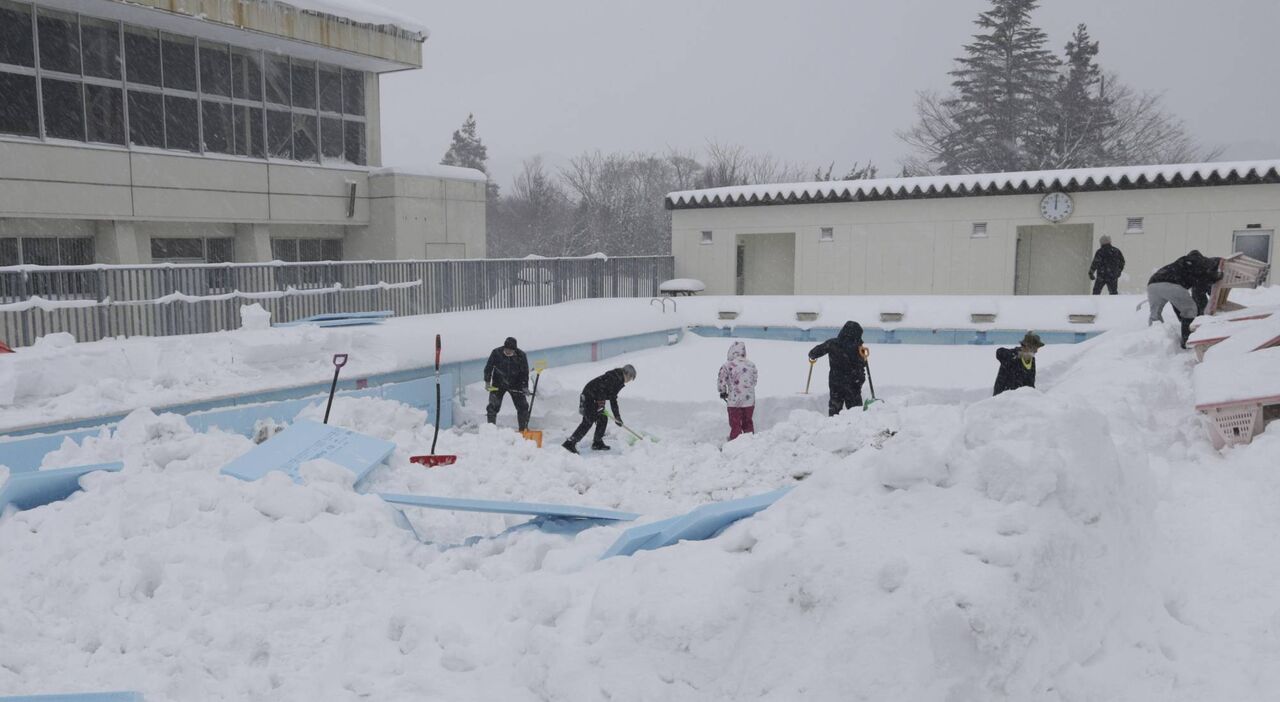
column 99, row 301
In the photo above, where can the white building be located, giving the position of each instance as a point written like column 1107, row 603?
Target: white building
column 134, row 131
column 1023, row 233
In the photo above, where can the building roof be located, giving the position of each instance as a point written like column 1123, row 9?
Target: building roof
column 1020, row 183
column 351, row 33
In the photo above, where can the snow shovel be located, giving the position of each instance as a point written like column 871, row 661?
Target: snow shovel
column 433, row 460
column 809, row 380
column 638, row 435
column 339, row 360
column 535, row 435
column 867, row 405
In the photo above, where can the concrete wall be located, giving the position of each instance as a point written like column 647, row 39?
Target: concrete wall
column 925, row 246
column 124, row 197
column 433, row 217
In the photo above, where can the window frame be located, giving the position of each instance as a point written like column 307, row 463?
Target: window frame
column 980, row 230
column 826, row 235
column 1129, row 227
column 707, row 238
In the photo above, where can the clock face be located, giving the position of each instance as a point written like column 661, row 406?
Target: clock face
column 1056, row 207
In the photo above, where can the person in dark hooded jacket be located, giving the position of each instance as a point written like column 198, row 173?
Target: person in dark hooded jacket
column 1108, row 264
column 1018, row 365
column 848, row 367
column 507, row 373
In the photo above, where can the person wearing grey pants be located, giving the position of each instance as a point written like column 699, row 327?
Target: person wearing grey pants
column 1172, row 285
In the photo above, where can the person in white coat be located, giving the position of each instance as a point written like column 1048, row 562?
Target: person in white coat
column 737, row 383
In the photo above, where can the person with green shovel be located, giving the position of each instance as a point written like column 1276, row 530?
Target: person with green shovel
column 591, row 405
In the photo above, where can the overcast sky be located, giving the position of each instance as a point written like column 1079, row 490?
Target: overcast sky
column 809, row 81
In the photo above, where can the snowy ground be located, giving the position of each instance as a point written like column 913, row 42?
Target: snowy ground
column 1078, row 542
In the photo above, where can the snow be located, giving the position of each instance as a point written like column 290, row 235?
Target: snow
column 956, row 185
column 1245, row 336
column 682, row 285
column 435, row 171
column 1251, row 376
column 1079, row 541
column 45, row 384
column 361, row 11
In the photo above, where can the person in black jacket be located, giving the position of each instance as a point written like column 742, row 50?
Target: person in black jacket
column 1018, row 365
column 507, row 373
column 848, row 367
column 1173, row 285
column 591, row 404
column 1108, row 264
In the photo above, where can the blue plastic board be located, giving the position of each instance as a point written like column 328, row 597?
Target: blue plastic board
column 306, row 440
column 702, row 523
column 532, row 509
column 33, row 489
column 80, row 697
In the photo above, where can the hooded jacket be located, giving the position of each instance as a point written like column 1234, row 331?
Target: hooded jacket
column 1108, row 263
column 1195, row 270
column 605, row 388
column 737, row 377
column 848, row 370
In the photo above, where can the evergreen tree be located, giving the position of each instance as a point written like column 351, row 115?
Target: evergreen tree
column 467, row 150
column 1086, row 115
column 1005, row 95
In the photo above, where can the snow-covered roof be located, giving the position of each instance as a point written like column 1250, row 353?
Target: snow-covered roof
column 363, row 11
column 434, row 171
column 1071, row 180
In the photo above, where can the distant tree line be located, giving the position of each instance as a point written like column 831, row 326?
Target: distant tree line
column 1014, row 105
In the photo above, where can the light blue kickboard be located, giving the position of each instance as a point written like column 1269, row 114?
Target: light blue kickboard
column 532, row 509
column 340, row 319
column 306, row 440
column 702, row 523
column 80, row 697
column 37, row 488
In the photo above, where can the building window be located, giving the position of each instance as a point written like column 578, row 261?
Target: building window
column 827, row 234
column 189, row 250
column 89, row 77
column 46, row 251
column 304, row 250
column 1133, row 225
column 979, row 230
column 16, row 45
column 706, row 237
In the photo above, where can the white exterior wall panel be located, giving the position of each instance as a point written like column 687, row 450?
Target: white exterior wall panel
column 926, row 245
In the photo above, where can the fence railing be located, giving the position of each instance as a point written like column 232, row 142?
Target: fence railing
column 101, row 301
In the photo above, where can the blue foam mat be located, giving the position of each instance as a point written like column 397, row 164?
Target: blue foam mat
column 702, row 523
column 306, row 440
column 532, row 509
column 37, row 488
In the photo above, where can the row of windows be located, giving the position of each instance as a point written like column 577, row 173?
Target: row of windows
column 86, row 79
column 46, row 251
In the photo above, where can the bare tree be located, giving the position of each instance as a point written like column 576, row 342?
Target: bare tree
column 1144, row 132
column 534, row 217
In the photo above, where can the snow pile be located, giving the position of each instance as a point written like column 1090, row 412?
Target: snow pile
column 1080, row 542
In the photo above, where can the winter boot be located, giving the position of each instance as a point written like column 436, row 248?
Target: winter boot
column 570, row 447
column 599, row 446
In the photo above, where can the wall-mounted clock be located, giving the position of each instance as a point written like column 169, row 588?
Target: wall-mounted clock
column 1056, row 207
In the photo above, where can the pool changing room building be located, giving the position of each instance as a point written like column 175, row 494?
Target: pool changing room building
column 139, row 131
column 1024, row 233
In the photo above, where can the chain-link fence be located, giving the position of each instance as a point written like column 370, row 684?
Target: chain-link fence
column 98, row 301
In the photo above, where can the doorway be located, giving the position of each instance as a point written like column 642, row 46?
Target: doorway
column 766, row 264
column 1053, row 259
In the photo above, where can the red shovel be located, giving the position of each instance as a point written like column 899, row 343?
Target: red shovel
column 433, row 461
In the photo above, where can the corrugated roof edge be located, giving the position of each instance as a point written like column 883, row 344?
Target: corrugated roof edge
column 968, row 185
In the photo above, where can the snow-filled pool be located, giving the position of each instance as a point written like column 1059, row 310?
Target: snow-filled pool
column 1044, row 544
